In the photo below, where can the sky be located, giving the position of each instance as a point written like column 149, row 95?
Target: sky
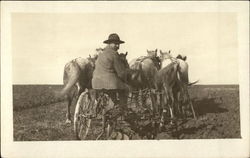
column 42, row 43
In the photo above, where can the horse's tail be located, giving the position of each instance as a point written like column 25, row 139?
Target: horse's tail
column 183, row 74
column 192, row 83
column 70, row 77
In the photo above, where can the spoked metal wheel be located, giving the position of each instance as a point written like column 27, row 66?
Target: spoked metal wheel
column 82, row 128
column 82, row 121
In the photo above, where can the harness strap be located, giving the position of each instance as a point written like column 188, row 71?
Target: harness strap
column 141, row 59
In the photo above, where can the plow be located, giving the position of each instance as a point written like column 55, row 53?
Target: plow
column 98, row 118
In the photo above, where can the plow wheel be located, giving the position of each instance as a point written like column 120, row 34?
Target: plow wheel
column 82, row 121
column 82, row 128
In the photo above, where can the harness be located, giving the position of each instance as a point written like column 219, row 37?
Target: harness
column 142, row 58
column 154, row 59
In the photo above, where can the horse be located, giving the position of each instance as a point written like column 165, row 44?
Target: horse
column 166, row 58
column 146, row 68
column 173, row 77
column 77, row 76
column 123, row 59
column 181, row 89
column 165, row 80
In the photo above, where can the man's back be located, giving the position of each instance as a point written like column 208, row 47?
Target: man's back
column 109, row 71
column 104, row 63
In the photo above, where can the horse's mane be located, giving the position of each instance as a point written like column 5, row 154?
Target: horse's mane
column 157, row 62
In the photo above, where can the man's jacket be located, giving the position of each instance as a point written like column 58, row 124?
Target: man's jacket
column 109, row 72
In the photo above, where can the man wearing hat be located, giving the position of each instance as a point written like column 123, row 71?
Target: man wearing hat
column 109, row 73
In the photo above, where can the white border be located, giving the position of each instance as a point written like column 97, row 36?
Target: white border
column 163, row 148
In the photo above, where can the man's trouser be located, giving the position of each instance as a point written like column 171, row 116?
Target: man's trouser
column 122, row 98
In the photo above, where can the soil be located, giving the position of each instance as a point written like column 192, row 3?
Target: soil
column 217, row 107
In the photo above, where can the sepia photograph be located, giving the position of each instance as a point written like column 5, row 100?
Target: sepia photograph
column 126, row 75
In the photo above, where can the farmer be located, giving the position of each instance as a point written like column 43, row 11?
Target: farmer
column 110, row 73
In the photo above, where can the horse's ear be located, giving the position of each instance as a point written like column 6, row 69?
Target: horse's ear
column 156, row 50
column 169, row 51
column 185, row 58
column 161, row 52
column 126, row 53
column 89, row 55
column 156, row 54
column 147, row 51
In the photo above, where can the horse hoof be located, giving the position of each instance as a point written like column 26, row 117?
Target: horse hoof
column 68, row 121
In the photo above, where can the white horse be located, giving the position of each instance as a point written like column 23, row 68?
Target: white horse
column 146, row 68
column 77, row 74
column 176, row 87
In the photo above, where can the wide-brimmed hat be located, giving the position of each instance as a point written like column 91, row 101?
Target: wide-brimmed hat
column 113, row 38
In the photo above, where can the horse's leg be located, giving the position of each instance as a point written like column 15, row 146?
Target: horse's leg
column 70, row 99
column 161, row 100
column 182, row 94
column 68, row 115
column 145, row 101
column 171, row 104
column 134, row 99
column 130, row 97
column 79, row 92
column 157, row 102
column 137, row 99
column 153, row 101
column 164, row 101
column 178, row 103
column 141, row 95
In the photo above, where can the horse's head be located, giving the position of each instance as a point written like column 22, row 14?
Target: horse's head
column 131, row 73
column 179, row 56
column 123, row 58
column 99, row 50
column 93, row 59
column 152, row 53
column 155, row 58
column 165, row 55
column 166, row 58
